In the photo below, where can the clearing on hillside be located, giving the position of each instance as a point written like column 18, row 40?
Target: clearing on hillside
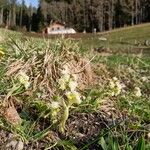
column 88, row 92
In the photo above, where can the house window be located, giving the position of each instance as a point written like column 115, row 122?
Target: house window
column 52, row 29
column 58, row 28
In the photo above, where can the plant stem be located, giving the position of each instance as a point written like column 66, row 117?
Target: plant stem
column 65, row 116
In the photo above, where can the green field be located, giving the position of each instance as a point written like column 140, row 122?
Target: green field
column 127, row 38
column 85, row 92
column 119, row 39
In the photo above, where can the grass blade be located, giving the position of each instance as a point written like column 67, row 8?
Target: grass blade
column 103, row 143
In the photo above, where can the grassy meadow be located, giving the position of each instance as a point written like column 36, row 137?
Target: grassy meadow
column 80, row 92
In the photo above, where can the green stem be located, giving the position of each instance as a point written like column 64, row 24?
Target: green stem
column 64, row 117
column 12, row 90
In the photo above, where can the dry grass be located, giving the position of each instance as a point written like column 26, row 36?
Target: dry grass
column 26, row 110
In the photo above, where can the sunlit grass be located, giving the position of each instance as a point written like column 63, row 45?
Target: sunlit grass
column 127, row 70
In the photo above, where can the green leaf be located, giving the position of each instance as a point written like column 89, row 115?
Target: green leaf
column 141, row 144
column 66, row 145
column 103, row 143
column 128, row 147
column 115, row 145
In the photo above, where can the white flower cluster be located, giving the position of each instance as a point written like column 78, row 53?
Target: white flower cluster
column 130, row 70
column 69, row 84
column 115, row 86
column 137, row 92
column 24, row 79
column 144, row 79
column 55, row 108
column 73, row 97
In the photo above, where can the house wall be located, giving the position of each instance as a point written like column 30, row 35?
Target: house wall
column 63, row 31
column 56, row 27
column 59, row 29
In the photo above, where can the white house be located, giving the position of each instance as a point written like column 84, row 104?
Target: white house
column 58, row 28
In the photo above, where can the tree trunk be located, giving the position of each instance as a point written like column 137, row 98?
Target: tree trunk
column 20, row 20
column 132, row 19
column 111, row 12
column 136, row 11
column 14, row 16
column 30, row 18
column 8, row 22
column 110, row 15
column 1, row 16
column 132, row 13
column 101, row 22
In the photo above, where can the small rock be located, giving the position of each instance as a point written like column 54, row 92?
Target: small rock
column 148, row 135
column 20, row 145
column 80, row 135
column 147, row 127
column 15, row 145
column 146, row 43
column 11, row 145
column 12, row 116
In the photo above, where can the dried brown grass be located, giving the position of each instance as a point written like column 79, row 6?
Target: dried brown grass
column 44, row 71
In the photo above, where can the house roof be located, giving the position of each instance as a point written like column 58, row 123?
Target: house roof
column 57, row 23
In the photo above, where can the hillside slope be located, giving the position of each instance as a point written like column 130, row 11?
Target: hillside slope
column 61, row 94
column 135, row 37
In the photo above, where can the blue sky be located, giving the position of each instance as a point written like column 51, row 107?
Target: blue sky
column 28, row 2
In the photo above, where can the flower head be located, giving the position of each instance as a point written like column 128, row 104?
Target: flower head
column 111, row 84
column 72, row 85
column 65, row 70
column 55, row 105
column 144, row 79
column 24, row 79
column 73, row 97
column 115, row 86
column 137, row 92
column 62, row 84
column 55, row 108
column 115, row 79
column 130, row 70
column 75, row 77
column 65, row 77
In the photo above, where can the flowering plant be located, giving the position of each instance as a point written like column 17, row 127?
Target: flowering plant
column 68, row 84
column 24, row 79
column 115, row 86
column 137, row 92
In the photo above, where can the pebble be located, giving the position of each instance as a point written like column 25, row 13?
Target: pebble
column 15, row 145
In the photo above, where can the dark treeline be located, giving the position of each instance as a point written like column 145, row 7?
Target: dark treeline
column 15, row 16
column 79, row 14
